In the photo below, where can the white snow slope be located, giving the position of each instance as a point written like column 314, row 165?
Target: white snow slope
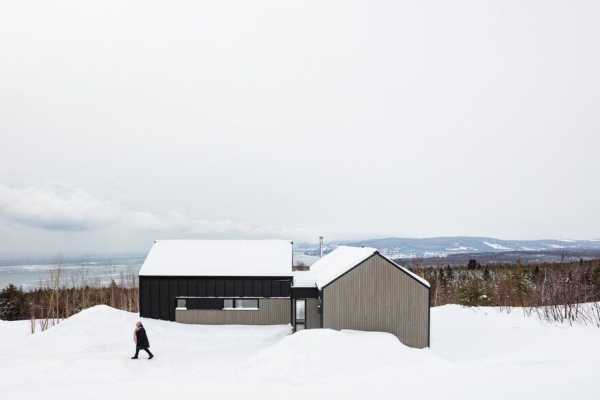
column 475, row 354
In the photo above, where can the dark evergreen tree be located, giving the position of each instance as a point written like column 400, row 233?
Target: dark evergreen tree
column 534, row 274
column 472, row 264
column 473, row 293
column 486, row 275
column 596, row 283
column 449, row 273
column 13, row 304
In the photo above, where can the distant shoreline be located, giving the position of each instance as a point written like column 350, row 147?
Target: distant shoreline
column 16, row 260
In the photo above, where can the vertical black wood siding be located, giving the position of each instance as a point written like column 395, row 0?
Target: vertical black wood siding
column 158, row 293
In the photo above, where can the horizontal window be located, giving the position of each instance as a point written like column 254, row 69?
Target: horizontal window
column 241, row 304
column 194, row 303
column 246, row 303
column 203, row 304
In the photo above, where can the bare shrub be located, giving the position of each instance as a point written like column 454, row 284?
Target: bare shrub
column 54, row 301
column 565, row 292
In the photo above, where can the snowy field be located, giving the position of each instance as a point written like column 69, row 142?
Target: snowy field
column 475, row 354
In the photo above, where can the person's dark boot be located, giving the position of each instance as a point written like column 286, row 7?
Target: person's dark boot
column 151, row 357
column 134, row 358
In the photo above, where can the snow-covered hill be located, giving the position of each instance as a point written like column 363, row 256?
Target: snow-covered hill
column 444, row 246
column 475, row 354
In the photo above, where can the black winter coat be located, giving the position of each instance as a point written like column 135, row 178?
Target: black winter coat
column 142, row 339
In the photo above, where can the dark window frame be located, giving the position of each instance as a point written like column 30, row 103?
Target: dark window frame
column 189, row 305
column 235, row 304
column 299, row 322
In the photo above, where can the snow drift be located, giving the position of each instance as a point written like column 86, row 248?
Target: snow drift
column 476, row 353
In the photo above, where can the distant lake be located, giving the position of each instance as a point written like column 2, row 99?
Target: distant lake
column 93, row 272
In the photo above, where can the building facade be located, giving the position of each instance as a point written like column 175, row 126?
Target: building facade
column 217, row 281
column 363, row 290
column 203, row 282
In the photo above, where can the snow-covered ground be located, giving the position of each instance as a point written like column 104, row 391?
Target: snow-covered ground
column 476, row 354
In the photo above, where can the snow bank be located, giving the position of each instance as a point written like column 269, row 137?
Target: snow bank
column 325, row 357
column 476, row 353
column 12, row 332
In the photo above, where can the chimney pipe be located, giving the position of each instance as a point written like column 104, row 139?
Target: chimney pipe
column 321, row 246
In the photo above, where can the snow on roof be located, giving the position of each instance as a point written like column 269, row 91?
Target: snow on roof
column 219, row 258
column 304, row 279
column 340, row 260
column 343, row 259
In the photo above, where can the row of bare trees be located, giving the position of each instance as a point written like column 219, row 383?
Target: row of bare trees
column 556, row 292
column 566, row 292
column 54, row 301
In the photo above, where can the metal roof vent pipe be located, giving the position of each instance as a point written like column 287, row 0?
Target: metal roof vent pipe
column 320, row 246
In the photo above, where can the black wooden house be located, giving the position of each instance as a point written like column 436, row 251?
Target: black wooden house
column 217, row 281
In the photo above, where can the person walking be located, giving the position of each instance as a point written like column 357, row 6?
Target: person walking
column 141, row 341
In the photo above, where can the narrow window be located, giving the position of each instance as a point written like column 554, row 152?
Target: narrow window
column 300, row 310
column 228, row 303
column 181, row 304
column 300, row 320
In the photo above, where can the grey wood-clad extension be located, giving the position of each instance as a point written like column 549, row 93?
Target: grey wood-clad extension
column 270, row 312
column 376, row 295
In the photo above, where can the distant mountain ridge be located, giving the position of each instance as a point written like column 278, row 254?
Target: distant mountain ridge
column 445, row 246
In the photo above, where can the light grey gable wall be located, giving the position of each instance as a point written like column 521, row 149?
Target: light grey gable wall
column 378, row 296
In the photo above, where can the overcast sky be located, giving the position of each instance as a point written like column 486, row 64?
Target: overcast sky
column 126, row 121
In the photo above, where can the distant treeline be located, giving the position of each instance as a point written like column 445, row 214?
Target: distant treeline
column 48, row 305
column 54, row 301
column 507, row 257
column 556, row 290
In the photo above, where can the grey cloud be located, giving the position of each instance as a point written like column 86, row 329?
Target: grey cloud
column 55, row 208
column 350, row 119
column 60, row 208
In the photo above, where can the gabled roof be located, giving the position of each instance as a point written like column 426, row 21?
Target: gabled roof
column 219, row 258
column 343, row 259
